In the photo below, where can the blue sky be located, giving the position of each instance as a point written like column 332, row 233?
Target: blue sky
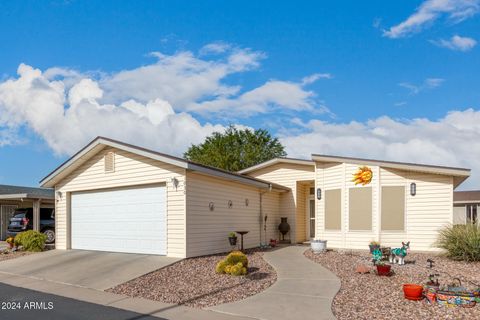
column 392, row 80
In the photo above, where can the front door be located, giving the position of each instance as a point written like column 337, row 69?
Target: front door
column 310, row 214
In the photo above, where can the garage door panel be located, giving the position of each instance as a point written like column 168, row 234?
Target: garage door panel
column 124, row 220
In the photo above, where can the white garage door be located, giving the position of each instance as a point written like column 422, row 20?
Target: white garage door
column 124, row 220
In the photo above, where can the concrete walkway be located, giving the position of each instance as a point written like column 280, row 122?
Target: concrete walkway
column 304, row 290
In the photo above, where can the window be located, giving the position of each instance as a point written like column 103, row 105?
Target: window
column 312, row 217
column 360, row 208
column 393, row 208
column 472, row 213
column 312, row 191
column 109, row 162
column 333, row 209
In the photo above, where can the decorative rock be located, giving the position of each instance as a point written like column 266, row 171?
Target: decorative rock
column 361, row 268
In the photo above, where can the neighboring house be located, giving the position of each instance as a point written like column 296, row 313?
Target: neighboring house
column 13, row 197
column 113, row 196
column 466, row 207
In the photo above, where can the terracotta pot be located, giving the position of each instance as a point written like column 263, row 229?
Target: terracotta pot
column 383, row 270
column 413, row 291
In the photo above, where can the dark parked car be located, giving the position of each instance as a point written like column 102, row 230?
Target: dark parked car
column 22, row 220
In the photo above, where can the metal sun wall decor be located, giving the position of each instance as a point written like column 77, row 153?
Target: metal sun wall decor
column 363, row 176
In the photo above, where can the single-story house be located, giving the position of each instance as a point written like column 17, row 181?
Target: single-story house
column 13, row 197
column 466, row 206
column 113, row 196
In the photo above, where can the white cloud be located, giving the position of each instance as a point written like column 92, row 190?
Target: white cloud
column 316, row 76
column 215, row 48
column 147, row 105
column 452, row 140
column 456, row 43
column 34, row 102
column 431, row 10
column 270, row 96
column 429, row 83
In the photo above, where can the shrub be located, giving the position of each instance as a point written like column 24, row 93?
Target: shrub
column 462, row 242
column 235, row 264
column 31, row 240
column 235, row 257
column 220, row 268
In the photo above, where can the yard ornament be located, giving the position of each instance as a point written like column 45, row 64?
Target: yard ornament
column 398, row 255
column 363, row 176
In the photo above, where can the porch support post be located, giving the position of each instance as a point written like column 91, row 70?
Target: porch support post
column 36, row 214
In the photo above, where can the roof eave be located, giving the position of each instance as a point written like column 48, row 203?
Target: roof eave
column 274, row 161
column 463, row 173
column 48, row 181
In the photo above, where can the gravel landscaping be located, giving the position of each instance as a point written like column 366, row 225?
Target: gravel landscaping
column 193, row 282
column 368, row 296
column 7, row 254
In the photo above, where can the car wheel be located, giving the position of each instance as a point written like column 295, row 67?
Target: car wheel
column 50, row 235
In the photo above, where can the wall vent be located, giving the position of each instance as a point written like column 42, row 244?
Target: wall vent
column 109, row 161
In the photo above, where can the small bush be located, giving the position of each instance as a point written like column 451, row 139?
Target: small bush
column 462, row 242
column 31, row 240
column 235, row 257
column 235, row 264
column 220, row 268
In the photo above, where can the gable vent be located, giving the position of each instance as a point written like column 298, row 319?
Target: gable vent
column 109, row 162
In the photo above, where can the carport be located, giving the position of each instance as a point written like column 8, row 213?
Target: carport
column 13, row 197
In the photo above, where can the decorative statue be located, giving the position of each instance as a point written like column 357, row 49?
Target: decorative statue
column 377, row 256
column 398, row 255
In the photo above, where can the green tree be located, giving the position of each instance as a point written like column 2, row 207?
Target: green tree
column 235, row 149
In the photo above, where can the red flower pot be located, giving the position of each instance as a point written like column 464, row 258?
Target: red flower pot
column 413, row 291
column 383, row 270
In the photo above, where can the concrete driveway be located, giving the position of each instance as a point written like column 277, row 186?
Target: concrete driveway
column 89, row 269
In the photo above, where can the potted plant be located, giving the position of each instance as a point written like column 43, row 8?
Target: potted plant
column 383, row 269
column 232, row 238
column 318, row 245
column 413, row 291
column 11, row 242
column 374, row 245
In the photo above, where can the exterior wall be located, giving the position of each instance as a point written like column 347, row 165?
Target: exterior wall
column 289, row 175
column 426, row 212
column 207, row 230
column 130, row 170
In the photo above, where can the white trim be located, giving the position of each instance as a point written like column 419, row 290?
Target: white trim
column 463, row 172
column 14, row 196
column 467, row 202
column 83, row 155
column 276, row 161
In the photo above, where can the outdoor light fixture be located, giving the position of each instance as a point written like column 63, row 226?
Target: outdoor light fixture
column 413, row 188
column 175, row 182
column 59, row 195
column 319, row 193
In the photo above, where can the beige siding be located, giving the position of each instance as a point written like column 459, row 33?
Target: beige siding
column 429, row 210
column 207, row 230
column 330, row 177
column 292, row 203
column 130, row 169
column 426, row 212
